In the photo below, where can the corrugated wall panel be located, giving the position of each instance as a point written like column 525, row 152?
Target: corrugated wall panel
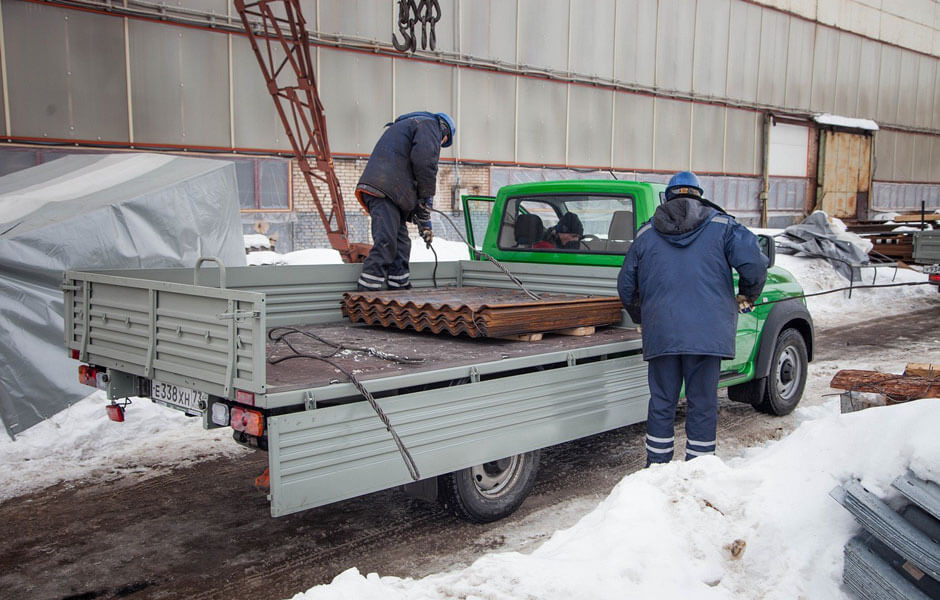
column 542, row 111
column 935, row 159
column 256, row 122
column 869, row 61
column 216, row 7
column 589, row 128
column 543, row 33
column 373, row 19
column 744, row 51
column 488, row 29
column 156, row 93
column 825, row 60
column 486, row 115
column 708, row 137
column 633, row 131
column 675, row 33
column 446, row 28
column 205, row 90
column 672, row 136
column 922, row 163
column 936, row 95
column 888, row 80
column 924, row 107
column 592, row 38
column 905, row 197
column 847, row 74
column 636, row 42
column 423, row 86
column 710, row 67
column 742, row 141
column 771, row 81
column 904, row 157
column 799, row 78
column 907, row 87
column 885, row 141
column 362, row 105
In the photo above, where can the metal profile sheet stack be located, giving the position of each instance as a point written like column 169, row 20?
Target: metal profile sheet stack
column 479, row 311
column 898, row 554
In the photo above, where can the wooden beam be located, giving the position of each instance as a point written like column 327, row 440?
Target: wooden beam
column 896, row 387
column 922, row 370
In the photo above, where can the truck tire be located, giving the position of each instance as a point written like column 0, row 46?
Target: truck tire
column 490, row 491
column 780, row 392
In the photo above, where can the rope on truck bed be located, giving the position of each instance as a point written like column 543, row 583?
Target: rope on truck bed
column 279, row 335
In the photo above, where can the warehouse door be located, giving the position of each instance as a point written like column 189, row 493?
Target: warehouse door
column 844, row 178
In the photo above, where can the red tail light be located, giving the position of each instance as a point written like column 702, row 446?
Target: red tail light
column 115, row 412
column 88, row 375
column 248, row 421
column 934, row 278
column 76, row 354
column 243, row 397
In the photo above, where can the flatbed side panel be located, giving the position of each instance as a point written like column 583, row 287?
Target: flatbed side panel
column 560, row 279
column 325, row 455
column 204, row 338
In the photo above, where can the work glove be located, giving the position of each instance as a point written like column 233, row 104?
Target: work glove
column 427, row 235
column 745, row 304
column 422, row 213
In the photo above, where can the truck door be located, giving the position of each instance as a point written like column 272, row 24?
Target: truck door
column 477, row 211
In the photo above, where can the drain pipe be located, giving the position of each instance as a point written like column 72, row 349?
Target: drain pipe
column 765, row 169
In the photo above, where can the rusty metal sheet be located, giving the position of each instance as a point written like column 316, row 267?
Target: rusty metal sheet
column 479, row 311
column 846, row 173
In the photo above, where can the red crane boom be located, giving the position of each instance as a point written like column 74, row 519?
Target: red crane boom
column 280, row 24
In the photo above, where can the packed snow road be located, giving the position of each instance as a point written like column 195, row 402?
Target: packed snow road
column 204, row 532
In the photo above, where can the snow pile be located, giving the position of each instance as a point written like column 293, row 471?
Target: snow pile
column 80, row 442
column 704, row 529
column 447, row 251
column 256, row 240
column 309, row 256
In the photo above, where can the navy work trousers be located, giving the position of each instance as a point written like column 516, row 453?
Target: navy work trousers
column 666, row 374
column 387, row 262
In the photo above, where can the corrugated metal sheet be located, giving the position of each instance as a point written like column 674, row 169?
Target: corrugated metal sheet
column 742, row 141
column 907, row 101
column 869, row 59
column 925, row 104
column 825, row 63
column 592, row 38
column 542, row 113
column 772, row 68
column 543, row 33
column 710, row 61
column 675, row 34
column 488, row 29
column 632, row 52
column 904, row 197
column 801, row 46
column 633, row 131
column 846, row 172
column 487, row 119
column 673, row 134
column 847, row 74
column 743, row 53
column 888, row 80
column 589, row 128
column 708, row 137
column 373, row 19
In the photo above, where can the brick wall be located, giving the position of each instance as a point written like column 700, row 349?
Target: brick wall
column 309, row 232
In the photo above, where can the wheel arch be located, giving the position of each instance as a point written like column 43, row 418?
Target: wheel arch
column 788, row 314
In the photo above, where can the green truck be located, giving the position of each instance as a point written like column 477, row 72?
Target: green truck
column 473, row 414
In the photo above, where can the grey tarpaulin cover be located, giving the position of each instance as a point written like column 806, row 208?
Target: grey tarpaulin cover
column 816, row 237
column 95, row 211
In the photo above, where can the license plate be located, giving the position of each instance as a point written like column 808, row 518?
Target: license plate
column 178, row 397
column 932, row 269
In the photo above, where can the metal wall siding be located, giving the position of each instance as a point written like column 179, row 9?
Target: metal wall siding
column 710, row 59
column 787, row 195
column 218, row 7
column 905, row 197
column 936, row 97
column 801, row 45
column 543, row 33
column 888, row 82
column 673, row 134
column 487, row 115
column 924, row 107
column 156, row 91
column 424, row 86
column 935, row 159
column 633, row 131
column 737, row 195
column 589, row 128
column 825, row 58
column 907, row 87
column 635, row 42
column 708, row 137
column 370, row 19
column 542, row 113
column 592, row 38
column 488, row 29
column 204, row 82
column 744, row 51
column 363, row 104
column 869, row 61
column 742, row 135
column 675, row 30
column 904, row 158
column 847, row 74
column 772, row 67
column 329, row 454
column 256, row 122
column 922, row 159
column 885, row 141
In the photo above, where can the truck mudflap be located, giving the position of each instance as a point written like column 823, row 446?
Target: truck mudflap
column 329, row 454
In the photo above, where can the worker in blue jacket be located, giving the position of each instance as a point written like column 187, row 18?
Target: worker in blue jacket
column 676, row 282
column 397, row 187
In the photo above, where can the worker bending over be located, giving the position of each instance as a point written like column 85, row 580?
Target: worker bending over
column 676, row 280
column 398, row 186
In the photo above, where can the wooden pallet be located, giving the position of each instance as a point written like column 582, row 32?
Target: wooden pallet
column 536, row 337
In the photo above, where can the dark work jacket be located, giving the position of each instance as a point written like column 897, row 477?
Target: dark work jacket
column 676, row 279
column 403, row 164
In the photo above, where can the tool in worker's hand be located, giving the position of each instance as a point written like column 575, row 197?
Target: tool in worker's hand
column 427, row 235
column 744, row 304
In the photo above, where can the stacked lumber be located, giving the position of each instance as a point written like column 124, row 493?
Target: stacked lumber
column 480, row 311
column 864, row 389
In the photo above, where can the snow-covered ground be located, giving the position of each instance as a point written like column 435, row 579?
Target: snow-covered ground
column 663, row 532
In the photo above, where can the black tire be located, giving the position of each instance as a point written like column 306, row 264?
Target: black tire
column 490, row 491
column 788, row 369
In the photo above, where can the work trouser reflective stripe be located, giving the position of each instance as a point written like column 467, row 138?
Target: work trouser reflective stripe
column 660, row 446
column 399, row 281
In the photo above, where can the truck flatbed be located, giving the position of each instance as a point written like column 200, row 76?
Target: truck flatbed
column 438, row 352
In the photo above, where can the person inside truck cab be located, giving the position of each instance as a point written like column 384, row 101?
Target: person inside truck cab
column 397, row 187
column 565, row 235
column 676, row 281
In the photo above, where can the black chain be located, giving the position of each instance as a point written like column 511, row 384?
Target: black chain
column 426, row 12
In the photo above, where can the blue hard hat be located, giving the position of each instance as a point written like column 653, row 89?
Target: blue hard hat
column 450, row 125
column 684, row 183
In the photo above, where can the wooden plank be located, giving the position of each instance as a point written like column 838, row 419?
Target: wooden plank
column 922, row 369
column 896, row 387
column 575, row 331
column 915, row 218
column 523, row 337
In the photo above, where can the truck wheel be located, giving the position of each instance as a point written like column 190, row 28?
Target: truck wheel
column 787, row 377
column 490, row 491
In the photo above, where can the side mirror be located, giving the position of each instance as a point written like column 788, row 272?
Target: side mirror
column 768, row 247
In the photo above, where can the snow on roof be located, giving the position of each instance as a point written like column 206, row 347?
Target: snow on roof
column 849, row 122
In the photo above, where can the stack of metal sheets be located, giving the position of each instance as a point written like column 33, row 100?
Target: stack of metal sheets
column 479, row 311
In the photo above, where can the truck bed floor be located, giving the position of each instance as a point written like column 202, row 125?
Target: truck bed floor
column 438, row 352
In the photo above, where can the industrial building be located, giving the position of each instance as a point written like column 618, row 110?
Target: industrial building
column 540, row 89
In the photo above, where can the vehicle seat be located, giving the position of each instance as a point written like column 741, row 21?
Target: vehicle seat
column 529, row 230
column 620, row 233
